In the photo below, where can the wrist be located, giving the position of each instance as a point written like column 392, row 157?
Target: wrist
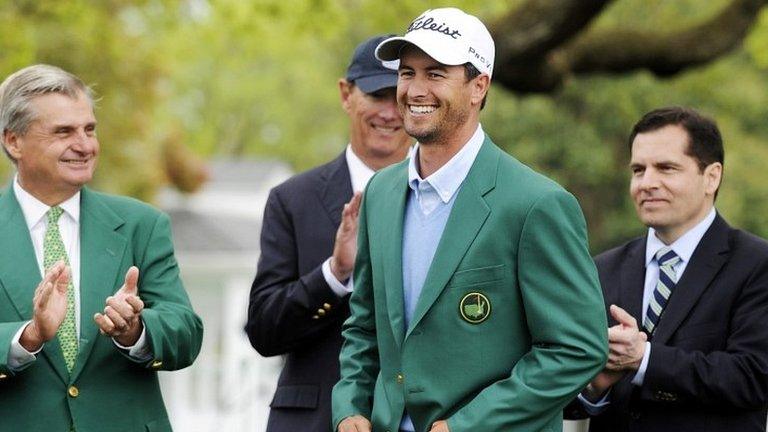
column 30, row 338
column 341, row 275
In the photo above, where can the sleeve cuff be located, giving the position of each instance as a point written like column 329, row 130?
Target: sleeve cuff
column 595, row 408
column 339, row 288
column 640, row 374
column 18, row 357
column 140, row 351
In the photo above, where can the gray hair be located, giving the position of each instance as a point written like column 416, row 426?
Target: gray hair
column 21, row 87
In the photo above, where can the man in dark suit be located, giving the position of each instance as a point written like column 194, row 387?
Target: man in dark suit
column 75, row 263
column 689, row 348
column 299, row 298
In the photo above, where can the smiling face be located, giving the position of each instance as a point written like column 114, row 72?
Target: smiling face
column 670, row 192
column 438, row 104
column 57, row 154
column 376, row 127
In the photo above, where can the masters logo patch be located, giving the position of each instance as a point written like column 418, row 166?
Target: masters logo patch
column 475, row 308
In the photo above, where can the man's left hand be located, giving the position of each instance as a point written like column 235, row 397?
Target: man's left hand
column 626, row 343
column 440, row 426
column 121, row 319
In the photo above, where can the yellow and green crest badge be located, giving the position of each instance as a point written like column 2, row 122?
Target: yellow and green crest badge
column 475, row 308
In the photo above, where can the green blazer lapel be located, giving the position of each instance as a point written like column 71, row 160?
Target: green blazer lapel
column 392, row 250
column 20, row 274
column 468, row 215
column 101, row 252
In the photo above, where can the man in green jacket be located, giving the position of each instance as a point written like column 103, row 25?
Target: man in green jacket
column 91, row 305
column 476, row 305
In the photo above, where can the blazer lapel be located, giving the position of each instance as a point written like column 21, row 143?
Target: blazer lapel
column 706, row 261
column 101, row 252
column 392, row 250
column 468, row 215
column 632, row 281
column 19, row 272
column 337, row 188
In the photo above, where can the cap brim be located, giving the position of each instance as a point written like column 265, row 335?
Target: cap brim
column 389, row 49
column 374, row 83
column 428, row 42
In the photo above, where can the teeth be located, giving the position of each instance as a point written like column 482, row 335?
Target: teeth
column 385, row 129
column 422, row 109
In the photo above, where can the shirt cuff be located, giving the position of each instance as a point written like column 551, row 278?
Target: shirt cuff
column 640, row 374
column 18, row 357
column 595, row 408
column 140, row 351
column 337, row 287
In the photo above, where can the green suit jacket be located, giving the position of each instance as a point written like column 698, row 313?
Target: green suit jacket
column 516, row 238
column 113, row 392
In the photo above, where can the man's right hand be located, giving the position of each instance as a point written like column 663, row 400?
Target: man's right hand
column 50, row 308
column 601, row 384
column 345, row 248
column 355, row 423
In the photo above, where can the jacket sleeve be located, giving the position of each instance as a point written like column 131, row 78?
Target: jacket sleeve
column 735, row 376
column 175, row 332
column 566, row 319
column 283, row 305
column 353, row 394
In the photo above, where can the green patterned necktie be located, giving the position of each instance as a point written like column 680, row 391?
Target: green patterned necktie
column 53, row 252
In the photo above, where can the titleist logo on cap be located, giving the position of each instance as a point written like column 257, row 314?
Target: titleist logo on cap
column 423, row 23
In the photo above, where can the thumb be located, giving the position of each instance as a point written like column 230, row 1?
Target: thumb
column 131, row 281
column 623, row 317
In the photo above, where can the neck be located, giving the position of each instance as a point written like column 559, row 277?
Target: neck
column 376, row 161
column 49, row 198
column 435, row 154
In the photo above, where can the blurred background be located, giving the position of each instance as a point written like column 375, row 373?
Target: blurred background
column 206, row 104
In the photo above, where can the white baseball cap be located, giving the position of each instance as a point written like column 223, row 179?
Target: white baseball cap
column 448, row 35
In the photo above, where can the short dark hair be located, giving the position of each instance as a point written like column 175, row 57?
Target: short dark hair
column 705, row 144
column 470, row 73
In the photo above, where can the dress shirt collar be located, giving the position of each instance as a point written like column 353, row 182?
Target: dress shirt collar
column 685, row 245
column 359, row 172
column 448, row 178
column 34, row 210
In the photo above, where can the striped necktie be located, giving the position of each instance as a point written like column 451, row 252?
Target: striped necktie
column 53, row 251
column 667, row 259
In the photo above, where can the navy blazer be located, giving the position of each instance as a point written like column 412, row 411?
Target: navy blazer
column 708, row 368
column 292, row 310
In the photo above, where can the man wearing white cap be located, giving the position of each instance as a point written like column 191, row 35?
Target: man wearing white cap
column 476, row 305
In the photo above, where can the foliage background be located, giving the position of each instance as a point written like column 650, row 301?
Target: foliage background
column 182, row 81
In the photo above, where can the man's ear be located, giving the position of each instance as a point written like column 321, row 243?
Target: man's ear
column 713, row 175
column 345, row 91
column 480, row 86
column 12, row 144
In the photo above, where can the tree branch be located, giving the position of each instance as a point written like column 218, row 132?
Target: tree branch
column 533, row 53
column 619, row 51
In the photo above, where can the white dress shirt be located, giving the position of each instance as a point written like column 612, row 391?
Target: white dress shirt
column 684, row 248
column 35, row 214
column 360, row 174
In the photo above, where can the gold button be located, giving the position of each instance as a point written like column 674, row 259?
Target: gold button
column 156, row 364
column 321, row 312
column 73, row 391
column 326, row 306
column 315, row 317
column 400, row 378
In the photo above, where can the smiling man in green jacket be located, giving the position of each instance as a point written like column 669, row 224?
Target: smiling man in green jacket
column 75, row 263
column 476, row 305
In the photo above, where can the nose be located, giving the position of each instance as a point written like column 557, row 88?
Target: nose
column 83, row 141
column 388, row 109
column 649, row 179
column 416, row 87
